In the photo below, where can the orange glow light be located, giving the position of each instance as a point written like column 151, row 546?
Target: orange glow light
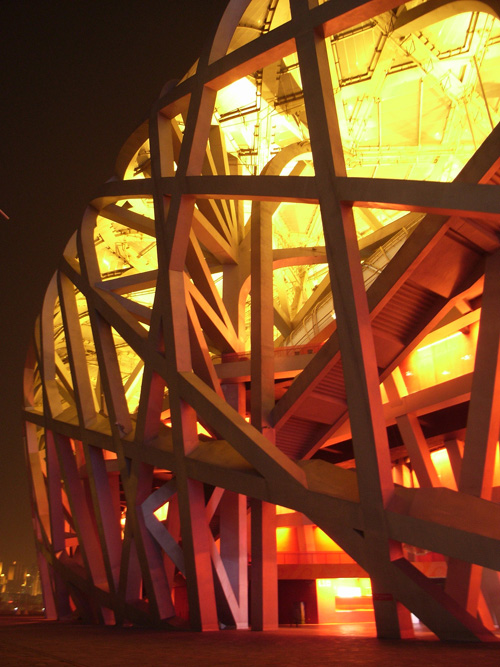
column 442, row 340
column 283, row 510
column 434, row 363
column 442, row 464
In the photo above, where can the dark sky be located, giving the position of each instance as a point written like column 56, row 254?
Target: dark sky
column 76, row 78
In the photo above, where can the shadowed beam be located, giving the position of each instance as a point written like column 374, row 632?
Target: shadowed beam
column 457, row 198
column 483, row 423
column 128, row 218
column 299, row 189
column 447, row 522
column 249, row 442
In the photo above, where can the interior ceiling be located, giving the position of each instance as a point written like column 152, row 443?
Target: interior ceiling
column 413, row 102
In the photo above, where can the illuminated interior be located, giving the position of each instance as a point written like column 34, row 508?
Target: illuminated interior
column 410, row 106
column 414, row 101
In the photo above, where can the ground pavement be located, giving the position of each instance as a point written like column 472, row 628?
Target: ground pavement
column 27, row 642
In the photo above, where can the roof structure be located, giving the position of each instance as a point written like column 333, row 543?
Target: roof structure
column 264, row 307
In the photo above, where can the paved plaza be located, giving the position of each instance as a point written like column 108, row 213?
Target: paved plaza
column 35, row 642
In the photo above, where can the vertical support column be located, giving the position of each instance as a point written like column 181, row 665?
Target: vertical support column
column 107, row 519
column 191, row 499
column 234, row 550
column 52, row 610
column 130, row 571
column 194, row 526
column 193, row 522
column 262, row 310
column 148, row 550
column 174, row 528
column 483, row 424
column 54, row 491
column 199, row 578
column 83, row 521
column 264, row 571
column 353, row 325
column 172, row 233
column 233, row 526
column 153, row 385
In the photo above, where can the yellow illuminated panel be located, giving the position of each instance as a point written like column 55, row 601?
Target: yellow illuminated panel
column 441, row 360
column 202, row 430
column 286, row 539
column 323, row 542
column 283, row 510
column 344, row 600
column 162, row 512
column 442, row 464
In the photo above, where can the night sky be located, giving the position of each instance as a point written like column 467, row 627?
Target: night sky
column 76, row 78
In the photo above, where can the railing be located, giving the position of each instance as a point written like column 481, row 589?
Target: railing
column 290, row 351
column 321, row 315
column 313, row 558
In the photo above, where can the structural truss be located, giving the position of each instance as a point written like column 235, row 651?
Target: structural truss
column 262, row 307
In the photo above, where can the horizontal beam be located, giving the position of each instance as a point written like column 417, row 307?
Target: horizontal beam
column 261, row 188
column 450, row 199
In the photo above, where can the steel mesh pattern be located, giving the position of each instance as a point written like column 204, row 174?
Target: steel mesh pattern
column 159, row 417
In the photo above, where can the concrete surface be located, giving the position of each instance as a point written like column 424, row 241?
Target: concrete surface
column 36, row 642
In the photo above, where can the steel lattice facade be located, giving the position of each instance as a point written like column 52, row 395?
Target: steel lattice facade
column 238, row 321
